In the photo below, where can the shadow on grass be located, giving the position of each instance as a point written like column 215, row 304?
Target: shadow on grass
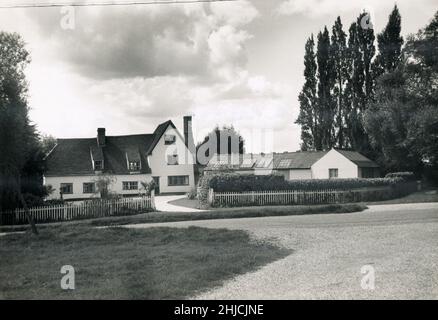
column 120, row 263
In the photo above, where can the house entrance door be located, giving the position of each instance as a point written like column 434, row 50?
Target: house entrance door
column 157, row 185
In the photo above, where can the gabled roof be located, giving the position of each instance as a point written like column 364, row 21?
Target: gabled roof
column 297, row 160
column 158, row 133
column 246, row 161
column 73, row 156
column 357, row 158
column 283, row 161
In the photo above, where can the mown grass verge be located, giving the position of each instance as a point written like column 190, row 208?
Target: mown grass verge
column 120, row 263
column 232, row 213
column 225, row 213
column 417, row 197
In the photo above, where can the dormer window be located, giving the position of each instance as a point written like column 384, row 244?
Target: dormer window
column 98, row 165
column 169, row 139
column 134, row 166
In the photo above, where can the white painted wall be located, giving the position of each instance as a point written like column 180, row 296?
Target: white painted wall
column 160, row 168
column 298, row 174
column 117, row 185
column 334, row 160
column 294, row 174
column 78, row 181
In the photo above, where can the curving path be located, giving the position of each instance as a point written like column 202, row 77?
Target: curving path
column 162, row 204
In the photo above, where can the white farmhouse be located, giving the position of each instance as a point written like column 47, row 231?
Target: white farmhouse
column 74, row 165
column 335, row 163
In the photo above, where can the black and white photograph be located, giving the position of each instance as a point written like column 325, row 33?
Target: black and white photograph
column 218, row 154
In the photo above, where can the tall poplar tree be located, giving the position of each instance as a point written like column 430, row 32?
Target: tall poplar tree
column 340, row 73
column 389, row 43
column 326, row 105
column 360, row 86
column 354, row 87
column 308, row 101
column 365, row 34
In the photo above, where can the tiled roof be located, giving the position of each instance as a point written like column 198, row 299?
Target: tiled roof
column 241, row 162
column 359, row 159
column 159, row 131
column 282, row 161
column 297, row 160
column 73, row 156
column 70, row 156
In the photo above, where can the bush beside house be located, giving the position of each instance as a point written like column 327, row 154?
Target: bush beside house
column 398, row 184
column 407, row 176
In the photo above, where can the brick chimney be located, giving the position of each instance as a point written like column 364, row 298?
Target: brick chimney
column 188, row 134
column 101, row 137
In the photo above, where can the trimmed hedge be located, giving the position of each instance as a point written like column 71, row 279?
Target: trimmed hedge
column 233, row 182
column 407, row 176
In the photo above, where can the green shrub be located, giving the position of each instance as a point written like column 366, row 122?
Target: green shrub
column 203, row 188
column 147, row 187
column 407, row 176
column 233, row 182
column 192, row 194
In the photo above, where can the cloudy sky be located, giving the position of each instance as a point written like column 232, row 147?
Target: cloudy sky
column 128, row 68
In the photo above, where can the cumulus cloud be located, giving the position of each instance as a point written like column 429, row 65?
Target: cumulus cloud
column 128, row 69
column 318, row 8
column 188, row 40
column 145, row 98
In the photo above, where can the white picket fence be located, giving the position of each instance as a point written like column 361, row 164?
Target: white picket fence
column 84, row 210
column 291, row 197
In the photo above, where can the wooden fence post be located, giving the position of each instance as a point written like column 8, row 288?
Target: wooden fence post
column 210, row 196
column 153, row 199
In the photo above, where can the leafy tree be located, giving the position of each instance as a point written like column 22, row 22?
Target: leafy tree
column 403, row 120
column 339, row 56
column 47, row 142
column 338, row 85
column 365, row 36
column 220, row 141
column 354, row 89
column 360, row 85
column 148, row 186
column 308, row 101
column 103, row 184
column 18, row 137
column 326, row 105
column 390, row 44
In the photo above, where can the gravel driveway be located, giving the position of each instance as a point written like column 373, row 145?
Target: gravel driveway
column 399, row 241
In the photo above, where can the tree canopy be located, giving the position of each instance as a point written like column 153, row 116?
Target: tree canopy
column 403, row 121
column 21, row 157
column 225, row 140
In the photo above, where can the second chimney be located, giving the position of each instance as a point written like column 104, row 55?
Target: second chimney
column 188, row 133
column 101, row 137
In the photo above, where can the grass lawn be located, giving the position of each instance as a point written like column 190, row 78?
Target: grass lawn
column 120, row 263
column 230, row 213
column 188, row 203
column 416, row 197
column 225, row 213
